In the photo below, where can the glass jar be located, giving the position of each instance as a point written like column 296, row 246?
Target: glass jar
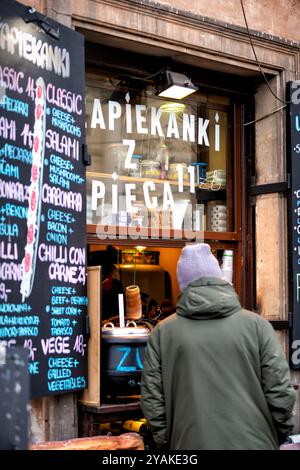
column 173, row 171
column 150, row 169
column 116, row 159
column 200, row 172
column 163, row 159
column 135, row 172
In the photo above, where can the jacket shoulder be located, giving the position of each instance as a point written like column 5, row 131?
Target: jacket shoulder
column 167, row 321
column 254, row 317
column 263, row 327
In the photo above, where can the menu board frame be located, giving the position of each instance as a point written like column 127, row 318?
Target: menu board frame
column 293, row 207
column 43, row 294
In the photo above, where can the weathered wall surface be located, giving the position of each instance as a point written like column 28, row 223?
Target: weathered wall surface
column 275, row 17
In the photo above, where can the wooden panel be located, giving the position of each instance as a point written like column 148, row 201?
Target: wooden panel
column 91, row 396
column 61, row 417
column 269, row 164
column 38, row 431
column 271, row 269
column 53, row 418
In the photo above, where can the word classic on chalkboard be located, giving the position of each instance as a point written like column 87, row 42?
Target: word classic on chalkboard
column 42, row 198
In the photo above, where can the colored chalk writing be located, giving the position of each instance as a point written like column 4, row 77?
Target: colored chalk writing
column 293, row 139
column 43, row 299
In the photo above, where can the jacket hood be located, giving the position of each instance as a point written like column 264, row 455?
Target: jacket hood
column 208, row 298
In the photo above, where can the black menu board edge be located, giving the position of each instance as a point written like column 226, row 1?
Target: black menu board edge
column 293, row 172
column 51, row 130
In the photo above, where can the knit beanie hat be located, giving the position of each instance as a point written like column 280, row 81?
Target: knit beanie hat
column 194, row 262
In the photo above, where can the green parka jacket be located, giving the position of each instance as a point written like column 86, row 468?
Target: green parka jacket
column 215, row 376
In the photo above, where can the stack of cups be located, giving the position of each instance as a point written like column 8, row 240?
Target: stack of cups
column 218, row 218
column 133, row 303
column 227, row 265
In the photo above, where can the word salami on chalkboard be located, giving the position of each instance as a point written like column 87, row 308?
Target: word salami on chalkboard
column 43, row 298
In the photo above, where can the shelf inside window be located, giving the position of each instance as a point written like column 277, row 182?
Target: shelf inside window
column 203, row 187
column 210, row 195
column 176, row 236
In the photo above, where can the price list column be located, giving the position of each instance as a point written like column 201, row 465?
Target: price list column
column 60, row 252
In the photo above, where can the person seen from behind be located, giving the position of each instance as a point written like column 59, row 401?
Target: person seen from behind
column 215, row 375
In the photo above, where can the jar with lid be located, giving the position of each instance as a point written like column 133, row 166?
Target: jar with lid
column 115, row 159
column 163, row 159
column 150, row 169
column 135, row 172
column 173, row 171
column 200, row 171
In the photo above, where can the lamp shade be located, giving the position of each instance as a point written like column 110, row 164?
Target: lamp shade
column 174, row 85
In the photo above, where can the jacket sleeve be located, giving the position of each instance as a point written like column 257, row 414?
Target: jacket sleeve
column 153, row 400
column 276, row 382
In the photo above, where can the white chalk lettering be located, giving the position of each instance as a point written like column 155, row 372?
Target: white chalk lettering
column 64, row 99
column 7, row 128
column 28, row 47
column 12, row 190
column 56, row 345
column 77, row 256
column 8, row 250
column 70, row 274
column 52, row 253
column 62, row 144
column 11, row 79
column 58, row 197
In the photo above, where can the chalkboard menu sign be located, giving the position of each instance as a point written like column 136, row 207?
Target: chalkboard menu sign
column 293, row 138
column 42, row 198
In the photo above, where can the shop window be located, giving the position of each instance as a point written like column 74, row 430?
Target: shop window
column 158, row 163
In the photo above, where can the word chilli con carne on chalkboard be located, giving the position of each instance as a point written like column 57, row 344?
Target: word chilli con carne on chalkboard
column 43, row 298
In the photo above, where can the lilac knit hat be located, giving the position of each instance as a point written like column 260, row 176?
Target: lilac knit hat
column 194, row 262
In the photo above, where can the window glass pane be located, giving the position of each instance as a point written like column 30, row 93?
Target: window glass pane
column 137, row 140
